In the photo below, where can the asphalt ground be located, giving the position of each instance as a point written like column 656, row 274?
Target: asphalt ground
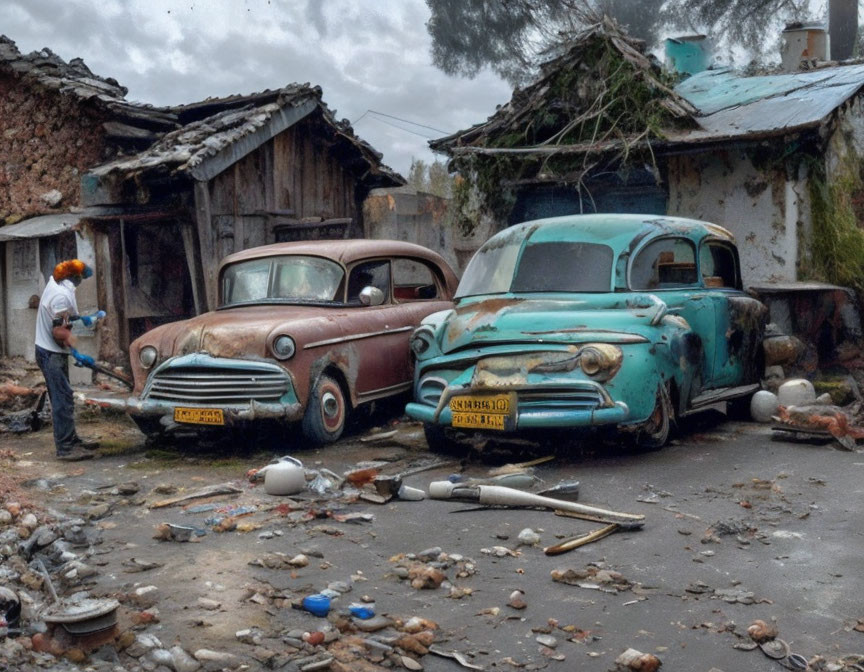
column 773, row 524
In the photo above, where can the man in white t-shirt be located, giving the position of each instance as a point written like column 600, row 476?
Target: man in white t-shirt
column 54, row 343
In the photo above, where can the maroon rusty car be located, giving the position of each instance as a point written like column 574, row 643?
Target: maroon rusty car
column 303, row 332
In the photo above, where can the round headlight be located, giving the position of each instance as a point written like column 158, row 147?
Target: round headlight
column 283, row 347
column 419, row 344
column 592, row 361
column 148, row 356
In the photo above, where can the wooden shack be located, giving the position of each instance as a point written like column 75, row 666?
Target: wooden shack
column 238, row 172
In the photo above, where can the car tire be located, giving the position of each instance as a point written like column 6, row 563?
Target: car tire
column 739, row 409
column 326, row 411
column 440, row 442
column 655, row 432
column 152, row 429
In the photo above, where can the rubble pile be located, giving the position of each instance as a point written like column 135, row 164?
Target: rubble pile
column 52, row 616
column 428, row 569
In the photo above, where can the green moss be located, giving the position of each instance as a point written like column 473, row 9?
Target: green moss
column 837, row 246
column 840, row 391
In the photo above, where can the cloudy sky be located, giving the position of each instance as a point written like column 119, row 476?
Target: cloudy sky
column 365, row 54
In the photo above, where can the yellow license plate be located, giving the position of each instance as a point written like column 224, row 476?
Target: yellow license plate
column 199, row 416
column 498, row 404
column 480, row 412
column 479, row 420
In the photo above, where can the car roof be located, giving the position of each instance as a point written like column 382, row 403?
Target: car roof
column 343, row 251
column 620, row 232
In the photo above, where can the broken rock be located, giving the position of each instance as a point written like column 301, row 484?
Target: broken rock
column 517, row 600
column 182, row 661
column 760, row 631
column 637, row 661
column 425, row 577
column 216, row 660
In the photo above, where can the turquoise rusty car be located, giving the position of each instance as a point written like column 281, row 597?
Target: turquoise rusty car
column 625, row 322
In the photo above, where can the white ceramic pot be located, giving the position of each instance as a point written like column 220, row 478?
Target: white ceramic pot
column 797, row 392
column 284, row 477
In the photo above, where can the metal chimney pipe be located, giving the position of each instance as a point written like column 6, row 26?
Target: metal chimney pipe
column 843, row 28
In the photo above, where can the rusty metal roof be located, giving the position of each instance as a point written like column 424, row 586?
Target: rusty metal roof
column 731, row 104
column 220, row 132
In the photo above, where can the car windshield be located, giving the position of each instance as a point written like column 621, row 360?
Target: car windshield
column 543, row 267
column 286, row 279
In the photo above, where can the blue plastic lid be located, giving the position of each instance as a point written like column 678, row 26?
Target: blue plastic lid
column 318, row 605
column 362, row 611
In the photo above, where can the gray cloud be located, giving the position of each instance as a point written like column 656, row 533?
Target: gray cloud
column 363, row 55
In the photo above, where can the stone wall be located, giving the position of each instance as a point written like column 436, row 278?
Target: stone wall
column 403, row 213
column 47, row 140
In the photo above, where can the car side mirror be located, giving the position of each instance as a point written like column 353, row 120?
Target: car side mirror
column 371, row 296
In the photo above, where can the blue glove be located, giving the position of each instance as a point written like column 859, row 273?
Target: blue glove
column 83, row 360
column 90, row 320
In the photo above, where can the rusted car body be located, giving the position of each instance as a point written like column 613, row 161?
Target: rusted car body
column 623, row 321
column 304, row 332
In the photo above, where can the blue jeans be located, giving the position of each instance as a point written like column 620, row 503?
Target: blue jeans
column 55, row 368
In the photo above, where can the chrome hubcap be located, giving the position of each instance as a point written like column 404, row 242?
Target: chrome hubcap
column 330, row 405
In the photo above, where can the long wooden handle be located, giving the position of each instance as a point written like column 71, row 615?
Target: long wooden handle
column 585, row 539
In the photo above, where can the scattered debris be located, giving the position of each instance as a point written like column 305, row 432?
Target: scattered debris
column 455, row 655
column 501, row 496
column 585, row 539
column 594, row 577
column 517, row 600
column 637, row 661
column 209, row 491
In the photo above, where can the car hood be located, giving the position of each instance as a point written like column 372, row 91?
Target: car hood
column 242, row 332
column 572, row 319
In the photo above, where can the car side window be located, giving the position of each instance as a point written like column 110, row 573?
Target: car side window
column 667, row 263
column 413, row 281
column 366, row 274
column 718, row 266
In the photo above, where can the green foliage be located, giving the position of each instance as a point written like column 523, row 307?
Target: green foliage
column 837, row 252
column 512, row 36
column 611, row 100
column 433, row 178
column 602, row 97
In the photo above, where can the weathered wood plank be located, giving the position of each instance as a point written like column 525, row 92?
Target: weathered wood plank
column 205, row 241
column 193, row 263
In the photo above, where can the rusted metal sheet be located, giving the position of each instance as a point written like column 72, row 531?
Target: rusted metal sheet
column 733, row 105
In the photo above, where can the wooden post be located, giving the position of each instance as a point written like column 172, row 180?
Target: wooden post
column 193, row 263
column 205, row 241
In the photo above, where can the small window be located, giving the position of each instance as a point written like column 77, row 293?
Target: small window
column 667, row 263
column 717, row 263
column 413, row 281
column 369, row 273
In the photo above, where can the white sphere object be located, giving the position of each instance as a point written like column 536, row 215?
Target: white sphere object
column 763, row 406
column 798, row 392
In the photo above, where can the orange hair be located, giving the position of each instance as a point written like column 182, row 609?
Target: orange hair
column 69, row 269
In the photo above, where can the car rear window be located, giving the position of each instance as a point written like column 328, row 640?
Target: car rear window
column 564, row 267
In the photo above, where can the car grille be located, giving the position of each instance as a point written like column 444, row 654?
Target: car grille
column 431, row 389
column 563, row 399
column 218, row 385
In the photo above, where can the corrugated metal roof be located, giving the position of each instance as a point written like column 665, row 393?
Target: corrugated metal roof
column 40, row 227
column 731, row 104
